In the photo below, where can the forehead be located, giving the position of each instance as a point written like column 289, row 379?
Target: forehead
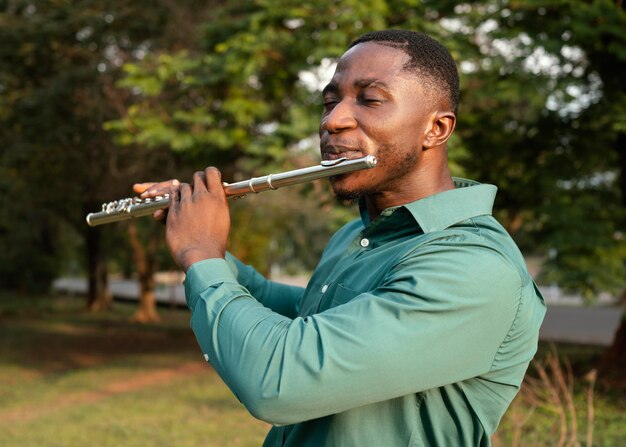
column 369, row 60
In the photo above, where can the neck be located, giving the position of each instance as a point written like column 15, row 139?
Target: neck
column 430, row 177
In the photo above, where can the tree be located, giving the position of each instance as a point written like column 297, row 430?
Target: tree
column 561, row 65
column 541, row 85
column 144, row 256
column 58, row 66
column 239, row 101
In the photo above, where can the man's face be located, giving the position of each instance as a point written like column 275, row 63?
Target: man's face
column 373, row 106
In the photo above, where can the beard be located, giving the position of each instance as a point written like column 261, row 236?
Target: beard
column 349, row 197
column 397, row 165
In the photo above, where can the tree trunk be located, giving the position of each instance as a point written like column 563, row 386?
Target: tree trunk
column 146, row 312
column 614, row 357
column 98, row 294
column 515, row 221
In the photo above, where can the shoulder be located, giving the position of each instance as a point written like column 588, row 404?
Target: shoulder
column 463, row 261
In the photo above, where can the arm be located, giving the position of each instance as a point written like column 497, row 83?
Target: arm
column 439, row 318
column 280, row 298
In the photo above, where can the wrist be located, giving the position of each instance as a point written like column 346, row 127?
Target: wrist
column 191, row 256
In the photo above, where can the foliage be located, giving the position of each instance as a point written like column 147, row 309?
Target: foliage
column 240, row 93
column 542, row 112
column 532, row 103
column 591, row 251
column 58, row 64
column 247, row 99
column 236, row 84
column 286, row 229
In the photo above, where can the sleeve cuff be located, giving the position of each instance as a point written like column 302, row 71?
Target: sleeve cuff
column 204, row 274
column 234, row 264
column 243, row 272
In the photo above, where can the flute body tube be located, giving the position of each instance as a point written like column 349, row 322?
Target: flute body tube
column 129, row 208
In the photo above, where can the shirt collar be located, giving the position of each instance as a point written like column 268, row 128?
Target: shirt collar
column 440, row 211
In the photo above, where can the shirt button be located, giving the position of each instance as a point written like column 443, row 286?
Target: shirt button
column 324, row 288
column 365, row 242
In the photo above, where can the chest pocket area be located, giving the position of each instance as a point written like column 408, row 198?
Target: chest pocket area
column 342, row 295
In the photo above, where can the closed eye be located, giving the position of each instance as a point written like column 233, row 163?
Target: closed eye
column 371, row 101
column 329, row 103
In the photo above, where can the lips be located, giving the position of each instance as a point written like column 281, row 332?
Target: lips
column 333, row 152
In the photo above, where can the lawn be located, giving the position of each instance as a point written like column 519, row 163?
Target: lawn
column 70, row 378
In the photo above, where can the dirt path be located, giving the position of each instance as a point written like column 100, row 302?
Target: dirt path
column 27, row 413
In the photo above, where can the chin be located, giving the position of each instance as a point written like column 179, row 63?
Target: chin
column 350, row 187
column 343, row 193
column 347, row 198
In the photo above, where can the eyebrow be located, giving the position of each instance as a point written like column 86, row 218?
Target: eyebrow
column 358, row 83
column 370, row 82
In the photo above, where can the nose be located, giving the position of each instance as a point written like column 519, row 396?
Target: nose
column 340, row 118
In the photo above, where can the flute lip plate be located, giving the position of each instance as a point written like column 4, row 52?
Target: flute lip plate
column 333, row 162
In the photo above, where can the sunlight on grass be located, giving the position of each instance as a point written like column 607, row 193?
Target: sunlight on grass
column 188, row 412
column 70, row 378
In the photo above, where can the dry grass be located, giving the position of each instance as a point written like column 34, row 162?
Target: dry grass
column 556, row 407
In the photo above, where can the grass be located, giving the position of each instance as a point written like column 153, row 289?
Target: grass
column 71, row 378
column 564, row 402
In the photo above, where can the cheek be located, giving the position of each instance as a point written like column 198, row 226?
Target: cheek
column 400, row 132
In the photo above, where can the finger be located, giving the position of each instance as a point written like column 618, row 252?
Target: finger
column 156, row 189
column 198, row 182
column 174, row 198
column 214, row 180
column 160, row 215
column 141, row 187
column 185, row 191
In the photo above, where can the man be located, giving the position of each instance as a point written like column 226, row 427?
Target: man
column 420, row 320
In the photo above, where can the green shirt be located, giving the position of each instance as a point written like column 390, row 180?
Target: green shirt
column 415, row 329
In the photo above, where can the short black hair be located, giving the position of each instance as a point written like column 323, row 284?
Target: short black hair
column 428, row 59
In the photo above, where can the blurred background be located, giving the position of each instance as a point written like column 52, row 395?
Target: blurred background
column 95, row 96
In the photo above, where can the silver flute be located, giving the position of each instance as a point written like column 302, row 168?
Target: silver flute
column 129, row 208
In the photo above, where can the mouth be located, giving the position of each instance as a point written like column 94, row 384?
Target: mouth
column 335, row 152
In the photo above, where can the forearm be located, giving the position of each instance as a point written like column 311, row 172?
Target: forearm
column 280, row 298
column 287, row 371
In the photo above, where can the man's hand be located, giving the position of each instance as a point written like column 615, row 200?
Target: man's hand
column 198, row 222
column 153, row 189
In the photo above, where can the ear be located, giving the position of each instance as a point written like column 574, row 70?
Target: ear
column 441, row 127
